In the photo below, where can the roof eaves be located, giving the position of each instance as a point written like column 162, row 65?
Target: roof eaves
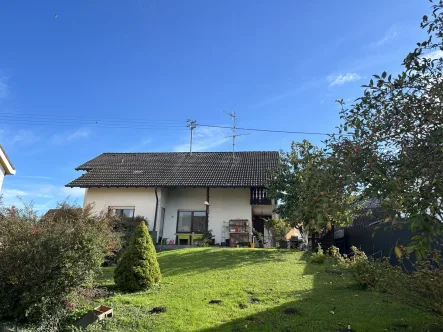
column 6, row 162
column 73, row 185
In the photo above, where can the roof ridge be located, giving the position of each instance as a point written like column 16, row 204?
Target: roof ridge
column 197, row 152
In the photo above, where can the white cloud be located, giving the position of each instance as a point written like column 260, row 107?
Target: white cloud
column 277, row 97
column 35, row 177
column 205, row 138
column 24, row 193
column 22, row 200
column 434, row 55
column 13, row 193
column 142, row 144
column 17, row 137
column 68, row 137
column 73, row 192
column 342, row 78
column 4, row 90
column 391, row 34
column 24, row 137
column 42, row 196
column 80, row 133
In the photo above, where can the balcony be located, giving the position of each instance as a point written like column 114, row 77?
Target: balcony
column 259, row 196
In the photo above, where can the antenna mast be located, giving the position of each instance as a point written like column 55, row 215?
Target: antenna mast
column 191, row 126
column 234, row 128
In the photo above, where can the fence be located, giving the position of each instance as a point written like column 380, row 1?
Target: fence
column 375, row 240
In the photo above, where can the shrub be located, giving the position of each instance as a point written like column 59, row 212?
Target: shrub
column 206, row 238
column 126, row 227
column 278, row 228
column 138, row 268
column 335, row 253
column 369, row 273
column 425, row 286
column 364, row 271
column 43, row 260
column 318, row 257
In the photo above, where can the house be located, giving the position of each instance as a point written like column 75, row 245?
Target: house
column 6, row 167
column 371, row 212
column 182, row 194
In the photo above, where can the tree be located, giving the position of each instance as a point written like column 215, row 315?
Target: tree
column 138, row 268
column 311, row 190
column 391, row 141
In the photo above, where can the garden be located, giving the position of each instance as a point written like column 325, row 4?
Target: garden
column 197, row 289
column 216, row 289
column 57, row 268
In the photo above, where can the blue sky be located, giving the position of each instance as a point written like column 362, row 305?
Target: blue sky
column 78, row 78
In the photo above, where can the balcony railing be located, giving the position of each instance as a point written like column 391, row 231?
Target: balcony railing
column 259, row 196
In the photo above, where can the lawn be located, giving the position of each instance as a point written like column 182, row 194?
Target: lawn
column 259, row 290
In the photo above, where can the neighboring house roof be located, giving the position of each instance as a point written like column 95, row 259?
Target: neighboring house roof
column 178, row 169
column 5, row 162
column 371, row 212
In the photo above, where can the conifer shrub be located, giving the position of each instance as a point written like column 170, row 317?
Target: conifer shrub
column 138, row 269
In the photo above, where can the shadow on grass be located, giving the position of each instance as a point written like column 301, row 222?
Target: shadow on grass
column 333, row 304
column 184, row 261
column 328, row 301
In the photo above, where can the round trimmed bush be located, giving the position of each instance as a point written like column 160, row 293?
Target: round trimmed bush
column 138, row 268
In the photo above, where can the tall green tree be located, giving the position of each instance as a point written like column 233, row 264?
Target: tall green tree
column 391, row 140
column 138, row 268
column 311, row 190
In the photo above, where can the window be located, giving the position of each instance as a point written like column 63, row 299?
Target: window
column 125, row 213
column 191, row 222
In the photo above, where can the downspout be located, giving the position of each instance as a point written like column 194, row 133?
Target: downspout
column 207, row 208
column 156, row 209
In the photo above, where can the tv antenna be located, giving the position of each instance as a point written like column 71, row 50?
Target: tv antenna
column 191, row 126
column 234, row 134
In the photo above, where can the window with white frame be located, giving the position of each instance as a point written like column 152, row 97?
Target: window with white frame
column 125, row 213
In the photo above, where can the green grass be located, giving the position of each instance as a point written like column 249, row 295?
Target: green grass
column 264, row 283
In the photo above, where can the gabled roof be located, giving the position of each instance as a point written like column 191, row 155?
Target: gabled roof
column 5, row 162
column 178, row 169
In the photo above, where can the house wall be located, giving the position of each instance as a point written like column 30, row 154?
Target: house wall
column 225, row 204
column 143, row 199
column 162, row 202
column 2, row 176
column 190, row 199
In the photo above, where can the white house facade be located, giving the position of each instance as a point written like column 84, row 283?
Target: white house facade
column 182, row 195
column 6, row 167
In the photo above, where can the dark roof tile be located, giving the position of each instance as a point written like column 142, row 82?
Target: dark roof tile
column 178, row 169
